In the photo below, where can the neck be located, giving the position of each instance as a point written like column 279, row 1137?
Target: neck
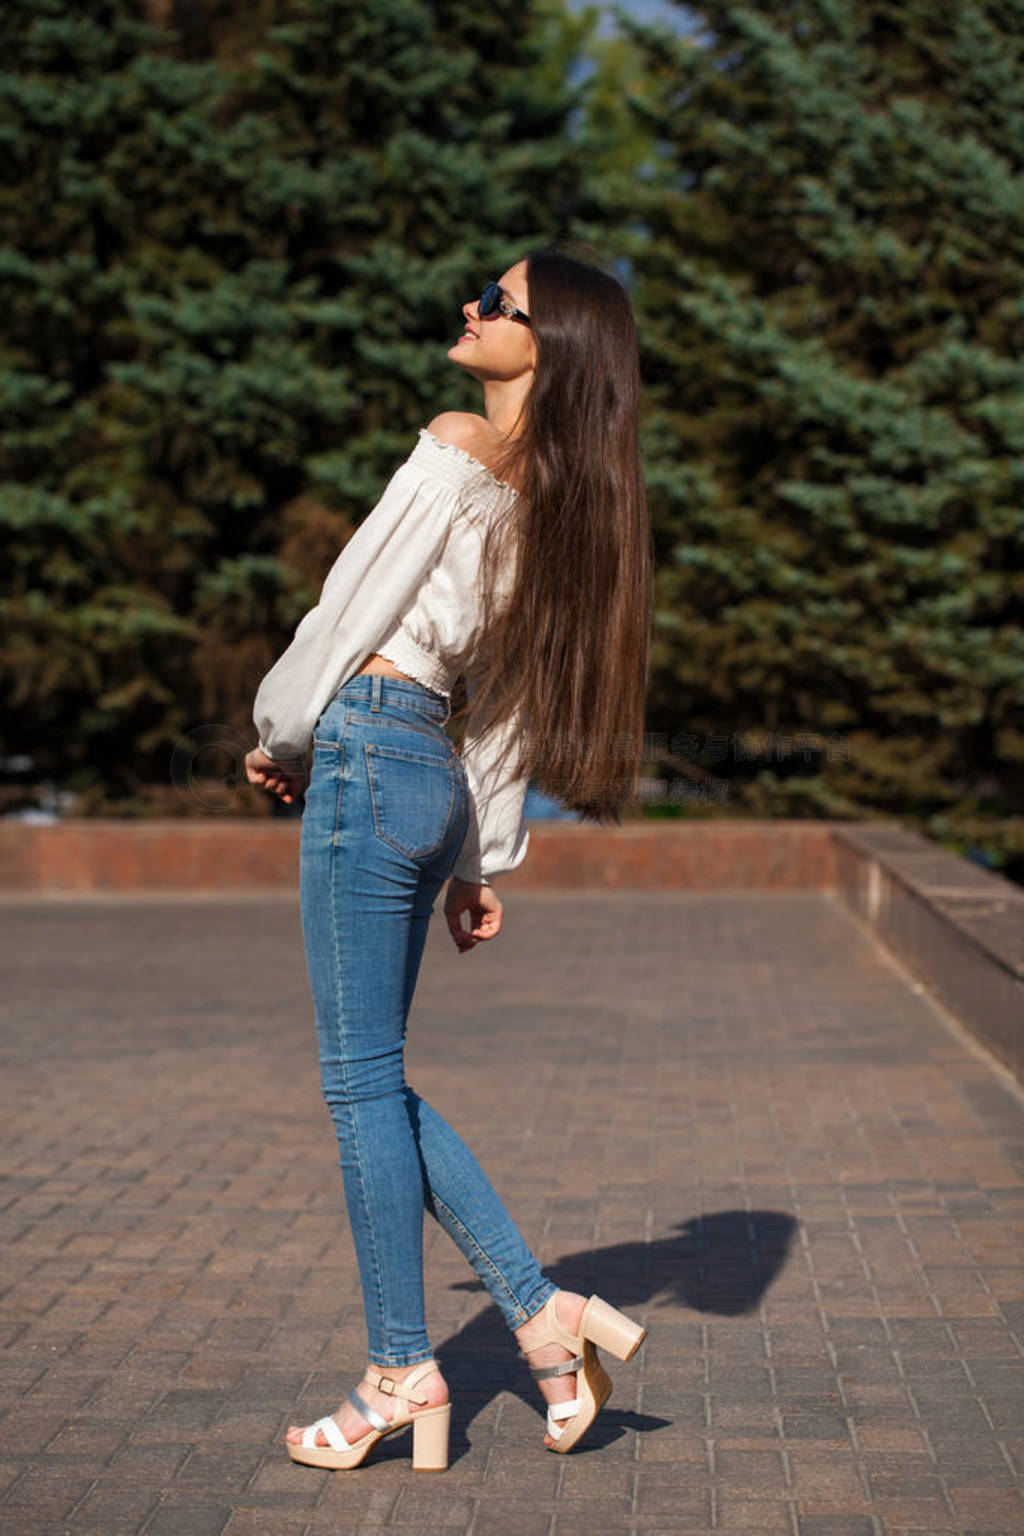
column 503, row 401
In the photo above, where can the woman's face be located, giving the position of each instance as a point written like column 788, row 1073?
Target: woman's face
column 498, row 347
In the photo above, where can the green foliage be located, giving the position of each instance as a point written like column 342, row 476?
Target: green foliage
column 829, row 267
column 232, row 259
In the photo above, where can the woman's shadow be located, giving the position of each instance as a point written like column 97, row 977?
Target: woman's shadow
column 720, row 1263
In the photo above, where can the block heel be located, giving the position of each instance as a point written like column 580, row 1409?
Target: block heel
column 430, row 1439
column 600, row 1325
column 429, row 1427
column 611, row 1329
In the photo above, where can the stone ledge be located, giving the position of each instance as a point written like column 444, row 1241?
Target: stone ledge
column 959, row 928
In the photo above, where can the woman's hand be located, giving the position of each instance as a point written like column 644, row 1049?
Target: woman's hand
column 287, row 780
column 483, row 907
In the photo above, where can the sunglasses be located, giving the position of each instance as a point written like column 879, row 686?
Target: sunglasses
column 492, row 302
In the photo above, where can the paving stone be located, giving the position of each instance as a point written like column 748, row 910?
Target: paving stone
column 815, row 1475
column 771, row 1151
column 192, row 1519
column 255, row 1522
column 751, row 1473
column 49, row 1491
column 988, row 1509
column 145, row 1466
column 835, row 1525
column 96, row 1441
column 112, row 1511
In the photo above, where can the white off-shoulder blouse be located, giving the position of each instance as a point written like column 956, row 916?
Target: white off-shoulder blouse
column 406, row 586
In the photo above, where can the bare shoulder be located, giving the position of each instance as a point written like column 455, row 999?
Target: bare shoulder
column 473, row 434
column 464, row 429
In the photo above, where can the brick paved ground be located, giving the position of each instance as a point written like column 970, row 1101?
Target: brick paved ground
column 732, row 1115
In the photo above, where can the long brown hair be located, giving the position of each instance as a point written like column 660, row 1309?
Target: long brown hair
column 568, row 640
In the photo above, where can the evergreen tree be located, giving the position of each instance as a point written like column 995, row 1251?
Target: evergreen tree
column 233, row 257
column 829, row 277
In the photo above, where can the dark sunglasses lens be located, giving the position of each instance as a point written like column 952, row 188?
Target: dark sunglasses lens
column 489, row 299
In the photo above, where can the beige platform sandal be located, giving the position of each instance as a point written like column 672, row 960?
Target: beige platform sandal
column 429, row 1427
column 600, row 1324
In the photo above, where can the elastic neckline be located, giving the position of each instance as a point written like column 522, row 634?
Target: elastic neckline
column 469, row 458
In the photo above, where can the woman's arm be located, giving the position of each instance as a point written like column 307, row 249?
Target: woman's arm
column 369, row 586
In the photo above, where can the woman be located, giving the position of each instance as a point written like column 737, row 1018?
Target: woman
column 514, row 550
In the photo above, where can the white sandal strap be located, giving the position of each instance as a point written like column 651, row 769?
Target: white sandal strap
column 331, row 1433
column 558, row 1411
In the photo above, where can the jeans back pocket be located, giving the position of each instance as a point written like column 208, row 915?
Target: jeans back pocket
column 412, row 794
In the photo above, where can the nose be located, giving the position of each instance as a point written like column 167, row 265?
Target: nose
column 467, row 311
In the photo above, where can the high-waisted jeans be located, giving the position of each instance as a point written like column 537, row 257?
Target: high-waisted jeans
column 385, row 815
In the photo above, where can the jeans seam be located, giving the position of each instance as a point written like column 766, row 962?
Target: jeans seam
column 342, row 1052
column 342, row 758
column 520, row 1309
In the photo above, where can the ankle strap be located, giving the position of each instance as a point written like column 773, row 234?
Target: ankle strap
column 544, row 1372
column 392, row 1388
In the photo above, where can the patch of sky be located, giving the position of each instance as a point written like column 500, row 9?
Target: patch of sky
column 666, row 13
column 669, row 15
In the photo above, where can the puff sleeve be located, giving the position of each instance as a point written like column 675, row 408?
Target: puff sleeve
column 368, row 587
column 497, row 838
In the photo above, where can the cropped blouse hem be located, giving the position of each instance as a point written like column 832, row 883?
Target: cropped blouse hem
column 401, row 649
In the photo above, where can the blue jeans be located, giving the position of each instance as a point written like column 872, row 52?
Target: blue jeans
column 385, row 816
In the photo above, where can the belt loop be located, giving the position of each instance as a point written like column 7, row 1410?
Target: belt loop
column 378, row 683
